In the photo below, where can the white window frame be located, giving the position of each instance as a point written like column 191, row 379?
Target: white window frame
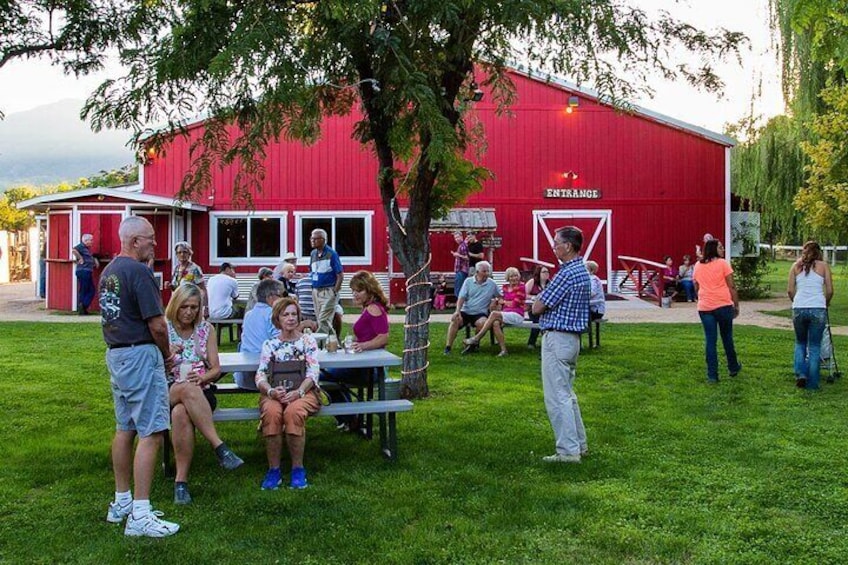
column 366, row 215
column 215, row 260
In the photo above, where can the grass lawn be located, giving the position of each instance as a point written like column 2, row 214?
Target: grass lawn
column 838, row 311
column 747, row 471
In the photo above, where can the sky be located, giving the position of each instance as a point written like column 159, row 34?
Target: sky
column 27, row 84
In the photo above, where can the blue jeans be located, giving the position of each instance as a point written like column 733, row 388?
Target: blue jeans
column 85, row 291
column 809, row 327
column 718, row 321
column 458, row 280
column 689, row 288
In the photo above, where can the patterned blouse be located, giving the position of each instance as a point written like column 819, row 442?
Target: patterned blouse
column 514, row 298
column 193, row 352
column 304, row 347
column 191, row 273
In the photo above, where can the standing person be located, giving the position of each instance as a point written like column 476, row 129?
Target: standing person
column 475, row 251
column 327, row 276
column 810, row 288
column 684, row 274
column 718, row 304
column 440, row 292
column 86, row 263
column 460, row 262
column 137, row 357
column 191, row 394
column 534, row 286
column 223, row 290
column 186, row 271
column 563, row 310
column 283, row 412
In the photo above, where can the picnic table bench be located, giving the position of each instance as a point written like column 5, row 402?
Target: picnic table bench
column 376, row 360
column 228, row 324
column 594, row 336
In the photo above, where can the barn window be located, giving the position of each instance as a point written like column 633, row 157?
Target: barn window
column 245, row 238
column 348, row 232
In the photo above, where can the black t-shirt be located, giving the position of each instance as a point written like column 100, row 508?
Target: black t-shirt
column 475, row 247
column 129, row 296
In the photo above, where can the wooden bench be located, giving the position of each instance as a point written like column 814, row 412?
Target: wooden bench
column 594, row 336
column 387, row 408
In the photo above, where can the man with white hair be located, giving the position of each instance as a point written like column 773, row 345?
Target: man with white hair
column 138, row 354
column 327, row 276
column 472, row 304
column 86, row 263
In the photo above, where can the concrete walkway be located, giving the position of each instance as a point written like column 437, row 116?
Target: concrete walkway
column 18, row 303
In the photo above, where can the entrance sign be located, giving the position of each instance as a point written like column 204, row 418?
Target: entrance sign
column 574, row 193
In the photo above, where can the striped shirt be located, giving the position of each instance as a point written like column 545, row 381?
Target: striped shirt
column 566, row 299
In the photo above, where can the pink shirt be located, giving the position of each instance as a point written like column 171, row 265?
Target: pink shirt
column 367, row 327
column 514, row 299
column 713, row 291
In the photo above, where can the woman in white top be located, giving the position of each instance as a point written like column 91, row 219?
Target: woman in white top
column 810, row 287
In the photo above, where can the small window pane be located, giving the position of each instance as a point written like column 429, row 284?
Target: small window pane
column 232, row 237
column 306, row 227
column 265, row 237
column 350, row 233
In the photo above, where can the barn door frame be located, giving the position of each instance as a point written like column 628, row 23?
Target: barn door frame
column 604, row 217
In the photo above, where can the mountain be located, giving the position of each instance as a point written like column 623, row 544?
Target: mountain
column 51, row 144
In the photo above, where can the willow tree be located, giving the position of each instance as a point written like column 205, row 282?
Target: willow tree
column 277, row 69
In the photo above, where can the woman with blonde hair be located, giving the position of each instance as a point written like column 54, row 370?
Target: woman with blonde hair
column 810, row 287
column 190, row 389
column 506, row 310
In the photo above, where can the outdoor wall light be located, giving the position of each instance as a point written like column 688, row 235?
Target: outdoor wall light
column 570, row 175
column 476, row 93
column 573, row 103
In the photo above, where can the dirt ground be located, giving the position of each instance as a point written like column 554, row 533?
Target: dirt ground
column 19, row 303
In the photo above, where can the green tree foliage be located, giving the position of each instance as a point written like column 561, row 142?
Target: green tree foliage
column 766, row 169
column 824, row 200
column 12, row 219
column 277, row 69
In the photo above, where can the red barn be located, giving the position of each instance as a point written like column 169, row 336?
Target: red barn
column 639, row 184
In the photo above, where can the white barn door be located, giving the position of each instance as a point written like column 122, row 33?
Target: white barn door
column 597, row 235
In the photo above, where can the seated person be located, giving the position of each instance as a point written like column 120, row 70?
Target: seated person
column 264, row 273
column 473, row 300
column 287, row 277
column 258, row 326
column 192, row 399
column 371, row 331
column 223, row 290
column 285, row 411
column 597, row 300
column 506, row 310
column 540, row 280
column 686, row 282
column 669, row 277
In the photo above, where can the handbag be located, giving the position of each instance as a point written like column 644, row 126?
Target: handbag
column 290, row 375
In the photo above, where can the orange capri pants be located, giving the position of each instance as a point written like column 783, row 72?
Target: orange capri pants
column 291, row 419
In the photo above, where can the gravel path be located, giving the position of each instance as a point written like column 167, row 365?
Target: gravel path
column 18, row 303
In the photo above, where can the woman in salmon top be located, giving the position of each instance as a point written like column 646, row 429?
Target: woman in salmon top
column 718, row 305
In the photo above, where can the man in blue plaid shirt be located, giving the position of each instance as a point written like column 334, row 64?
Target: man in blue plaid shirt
column 564, row 310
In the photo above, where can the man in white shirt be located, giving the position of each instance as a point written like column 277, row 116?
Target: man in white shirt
column 222, row 290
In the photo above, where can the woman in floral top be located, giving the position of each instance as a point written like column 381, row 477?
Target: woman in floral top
column 185, row 271
column 507, row 310
column 191, row 396
column 283, row 411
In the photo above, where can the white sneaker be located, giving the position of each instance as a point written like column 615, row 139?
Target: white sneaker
column 150, row 526
column 560, row 458
column 117, row 513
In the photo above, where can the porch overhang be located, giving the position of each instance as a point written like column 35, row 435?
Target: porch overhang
column 129, row 194
column 463, row 219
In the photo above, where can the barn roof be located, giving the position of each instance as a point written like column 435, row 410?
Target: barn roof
column 637, row 110
column 131, row 193
column 474, row 219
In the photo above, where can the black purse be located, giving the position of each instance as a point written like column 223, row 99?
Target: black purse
column 290, row 375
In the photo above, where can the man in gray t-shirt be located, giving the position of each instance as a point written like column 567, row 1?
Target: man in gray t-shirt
column 138, row 353
column 473, row 300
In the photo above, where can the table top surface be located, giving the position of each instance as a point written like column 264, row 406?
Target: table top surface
column 242, row 361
